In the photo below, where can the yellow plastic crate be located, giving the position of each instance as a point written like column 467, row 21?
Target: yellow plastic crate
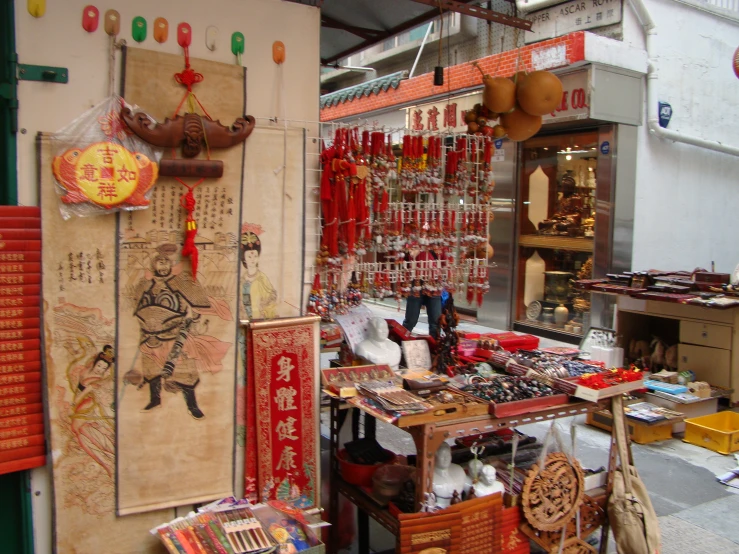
column 718, row 432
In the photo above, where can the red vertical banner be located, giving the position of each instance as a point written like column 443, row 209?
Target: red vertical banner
column 282, row 410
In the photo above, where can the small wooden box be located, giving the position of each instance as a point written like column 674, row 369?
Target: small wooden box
column 639, row 432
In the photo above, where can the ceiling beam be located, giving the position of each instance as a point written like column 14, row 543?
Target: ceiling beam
column 362, row 32
column 410, row 24
column 480, row 12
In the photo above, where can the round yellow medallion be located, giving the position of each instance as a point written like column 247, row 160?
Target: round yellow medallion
column 107, row 173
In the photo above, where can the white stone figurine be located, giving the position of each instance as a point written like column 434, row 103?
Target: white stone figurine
column 377, row 348
column 475, row 465
column 487, row 483
column 448, row 477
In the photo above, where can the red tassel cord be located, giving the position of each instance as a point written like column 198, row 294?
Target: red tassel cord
column 189, row 249
column 471, row 287
column 187, row 78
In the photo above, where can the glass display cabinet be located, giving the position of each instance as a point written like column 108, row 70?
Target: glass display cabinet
column 558, row 183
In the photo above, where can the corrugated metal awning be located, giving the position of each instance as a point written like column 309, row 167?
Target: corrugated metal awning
column 348, row 26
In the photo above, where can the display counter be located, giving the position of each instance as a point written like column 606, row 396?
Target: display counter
column 707, row 338
column 427, row 437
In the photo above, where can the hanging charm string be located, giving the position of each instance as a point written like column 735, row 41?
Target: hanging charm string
column 189, row 77
column 189, row 248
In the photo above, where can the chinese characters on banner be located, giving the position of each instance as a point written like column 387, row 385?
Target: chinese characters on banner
column 282, row 378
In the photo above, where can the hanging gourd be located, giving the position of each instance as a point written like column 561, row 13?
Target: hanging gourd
column 539, row 93
column 499, row 95
column 518, row 77
column 520, row 125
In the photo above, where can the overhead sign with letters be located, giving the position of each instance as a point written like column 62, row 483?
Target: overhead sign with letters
column 448, row 115
column 577, row 15
column 575, row 102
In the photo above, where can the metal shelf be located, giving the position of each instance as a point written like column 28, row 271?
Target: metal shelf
column 557, row 243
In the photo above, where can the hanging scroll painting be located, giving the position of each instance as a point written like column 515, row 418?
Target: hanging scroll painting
column 80, row 365
column 177, row 337
column 271, row 250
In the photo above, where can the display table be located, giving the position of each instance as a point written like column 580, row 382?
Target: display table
column 427, row 437
column 707, row 338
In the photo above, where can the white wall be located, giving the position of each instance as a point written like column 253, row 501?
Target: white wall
column 687, row 198
column 57, row 39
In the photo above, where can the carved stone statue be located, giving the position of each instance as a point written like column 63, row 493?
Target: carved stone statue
column 377, row 348
column 448, row 477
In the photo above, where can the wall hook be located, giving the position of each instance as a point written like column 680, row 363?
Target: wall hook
column 112, row 23
column 90, row 18
column 138, row 29
column 37, row 8
column 161, row 30
column 211, row 36
column 278, row 52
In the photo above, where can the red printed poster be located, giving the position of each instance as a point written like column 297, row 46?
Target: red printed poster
column 286, row 358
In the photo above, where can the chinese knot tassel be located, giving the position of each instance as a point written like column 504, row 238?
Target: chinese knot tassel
column 191, row 230
column 470, row 288
column 362, row 213
column 351, row 221
column 341, row 170
column 384, row 201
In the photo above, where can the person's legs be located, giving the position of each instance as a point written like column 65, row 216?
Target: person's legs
column 412, row 311
column 433, row 310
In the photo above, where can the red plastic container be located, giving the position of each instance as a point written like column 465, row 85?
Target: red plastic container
column 360, row 474
column 518, row 407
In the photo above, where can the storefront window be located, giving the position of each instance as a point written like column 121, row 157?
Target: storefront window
column 556, row 230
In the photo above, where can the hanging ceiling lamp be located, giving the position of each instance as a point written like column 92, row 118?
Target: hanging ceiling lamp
column 439, row 69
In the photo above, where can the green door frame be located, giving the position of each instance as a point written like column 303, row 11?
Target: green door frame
column 8, row 106
column 16, row 519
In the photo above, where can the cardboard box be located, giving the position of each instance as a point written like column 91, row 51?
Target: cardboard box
column 639, row 433
column 704, row 406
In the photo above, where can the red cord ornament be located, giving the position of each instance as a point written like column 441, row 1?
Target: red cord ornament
column 187, row 78
column 606, row 379
column 189, row 248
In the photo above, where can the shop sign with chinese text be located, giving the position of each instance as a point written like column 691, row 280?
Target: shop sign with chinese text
column 575, row 102
column 577, row 15
column 443, row 115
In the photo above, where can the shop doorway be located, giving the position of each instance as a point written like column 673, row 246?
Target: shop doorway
column 562, row 178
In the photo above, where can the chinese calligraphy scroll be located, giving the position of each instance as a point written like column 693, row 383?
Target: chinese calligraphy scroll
column 284, row 372
column 176, row 333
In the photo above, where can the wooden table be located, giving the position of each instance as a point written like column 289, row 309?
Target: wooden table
column 427, row 438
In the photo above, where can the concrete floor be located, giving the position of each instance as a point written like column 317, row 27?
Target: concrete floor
column 697, row 514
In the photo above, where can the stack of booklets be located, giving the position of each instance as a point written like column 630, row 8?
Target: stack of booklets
column 650, row 413
column 22, row 443
column 239, row 527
